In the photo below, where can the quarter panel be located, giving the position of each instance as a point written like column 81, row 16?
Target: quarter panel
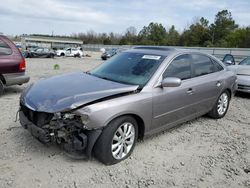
column 100, row 114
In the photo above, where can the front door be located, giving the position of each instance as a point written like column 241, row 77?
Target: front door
column 174, row 104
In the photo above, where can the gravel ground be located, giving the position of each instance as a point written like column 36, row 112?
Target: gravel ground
column 200, row 153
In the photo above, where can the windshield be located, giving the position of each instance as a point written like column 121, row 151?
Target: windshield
column 245, row 62
column 129, row 68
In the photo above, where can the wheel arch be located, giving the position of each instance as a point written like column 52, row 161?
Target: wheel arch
column 139, row 120
column 229, row 91
column 141, row 125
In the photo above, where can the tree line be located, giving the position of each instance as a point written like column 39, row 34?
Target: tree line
column 223, row 32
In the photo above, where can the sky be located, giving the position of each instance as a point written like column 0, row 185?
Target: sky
column 64, row 17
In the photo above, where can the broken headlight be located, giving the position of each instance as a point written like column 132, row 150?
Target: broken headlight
column 84, row 118
column 68, row 116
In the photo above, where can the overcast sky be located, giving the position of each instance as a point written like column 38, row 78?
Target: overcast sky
column 65, row 17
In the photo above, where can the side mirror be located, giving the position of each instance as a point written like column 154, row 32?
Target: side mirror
column 171, row 82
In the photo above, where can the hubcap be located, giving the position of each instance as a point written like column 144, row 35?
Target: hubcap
column 123, row 140
column 222, row 104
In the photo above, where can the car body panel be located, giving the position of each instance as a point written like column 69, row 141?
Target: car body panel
column 116, row 107
column 9, row 65
column 70, row 52
column 67, row 92
column 193, row 96
column 15, row 78
column 243, row 77
column 98, row 101
column 42, row 53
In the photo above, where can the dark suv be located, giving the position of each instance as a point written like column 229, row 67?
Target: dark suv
column 12, row 65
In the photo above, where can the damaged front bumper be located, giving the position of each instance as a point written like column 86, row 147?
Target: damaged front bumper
column 76, row 141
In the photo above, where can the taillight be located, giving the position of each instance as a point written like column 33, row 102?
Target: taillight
column 22, row 65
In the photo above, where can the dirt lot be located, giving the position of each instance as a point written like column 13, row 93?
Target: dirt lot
column 200, row 153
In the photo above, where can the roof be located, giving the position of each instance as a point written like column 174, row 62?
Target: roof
column 154, row 50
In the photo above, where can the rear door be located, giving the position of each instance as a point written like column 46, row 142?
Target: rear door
column 206, row 81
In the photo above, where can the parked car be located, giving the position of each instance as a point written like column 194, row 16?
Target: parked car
column 134, row 94
column 110, row 53
column 12, row 65
column 228, row 60
column 41, row 52
column 71, row 52
column 23, row 51
column 242, row 70
column 32, row 48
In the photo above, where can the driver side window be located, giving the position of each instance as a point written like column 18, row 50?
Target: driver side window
column 180, row 67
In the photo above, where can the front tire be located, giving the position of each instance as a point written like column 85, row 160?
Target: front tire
column 117, row 140
column 220, row 108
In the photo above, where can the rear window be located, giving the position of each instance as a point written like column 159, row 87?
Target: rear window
column 4, row 49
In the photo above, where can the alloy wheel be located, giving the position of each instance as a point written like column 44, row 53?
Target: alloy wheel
column 222, row 104
column 123, row 140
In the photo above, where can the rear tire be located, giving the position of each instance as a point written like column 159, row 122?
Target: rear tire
column 1, row 87
column 117, row 140
column 221, row 106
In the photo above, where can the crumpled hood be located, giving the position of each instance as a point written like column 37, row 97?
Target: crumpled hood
column 240, row 69
column 67, row 92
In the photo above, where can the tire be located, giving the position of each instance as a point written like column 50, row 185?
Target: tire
column 221, row 106
column 62, row 54
column 112, row 137
column 1, row 87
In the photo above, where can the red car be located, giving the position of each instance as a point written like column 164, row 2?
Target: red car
column 12, row 65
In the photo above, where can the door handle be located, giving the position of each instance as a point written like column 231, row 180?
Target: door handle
column 190, row 91
column 218, row 84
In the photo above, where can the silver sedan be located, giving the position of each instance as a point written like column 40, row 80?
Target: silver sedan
column 134, row 94
column 242, row 70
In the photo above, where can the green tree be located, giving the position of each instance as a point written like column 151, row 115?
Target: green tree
column 173, row 37
column 223, row 25
column 240, row 38
column 153, row 34
column 197, row 34
column 130, row 36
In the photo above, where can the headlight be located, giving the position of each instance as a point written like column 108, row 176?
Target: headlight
column 84, row 118
column 68, row 116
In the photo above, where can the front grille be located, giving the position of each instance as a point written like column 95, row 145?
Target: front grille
column 37, row 118
column 244, row 87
